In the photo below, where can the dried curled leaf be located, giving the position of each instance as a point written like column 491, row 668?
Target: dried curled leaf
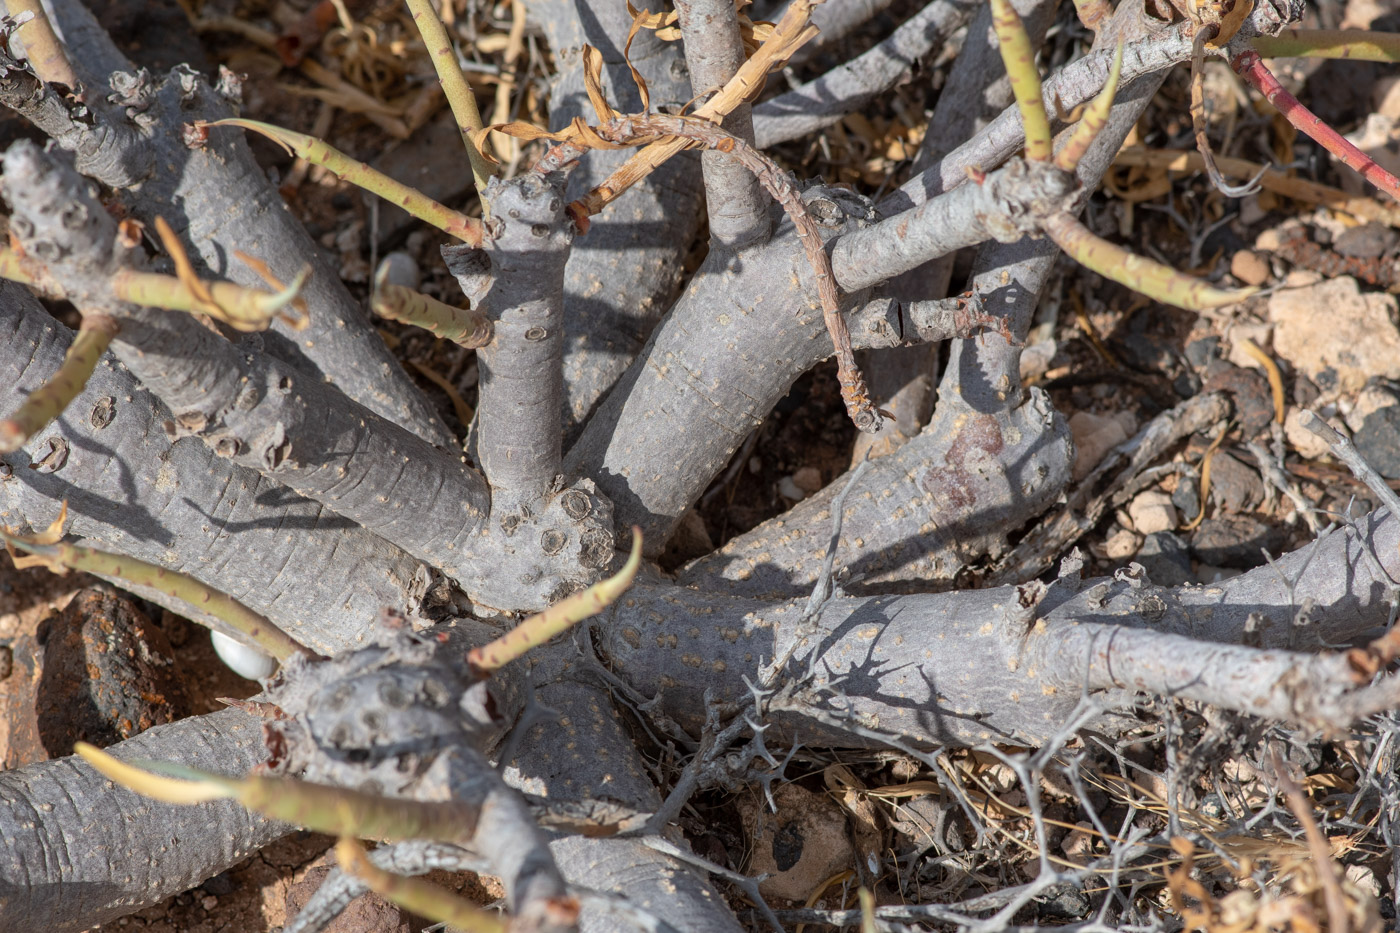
column 593, row 83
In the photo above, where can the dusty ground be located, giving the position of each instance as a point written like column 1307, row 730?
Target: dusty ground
column 1112, row 359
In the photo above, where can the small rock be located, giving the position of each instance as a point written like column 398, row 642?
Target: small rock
column 1248, row 389
column 690, row 540
column 1187, row 498
column 798, row 847
column 1165, row 558
column 1372, row 399
column 1378, row 441
column 808, row 479
column 1151, row 512
column 1250, row 211
column 1186, row 385
column 1385, row 97
column 1035, row 359
column 1200, row 352
column 1271, row 239
column 1354, row 337
column 1120, row 545
column 788, row 489
column 1078, row 844
column 1235, row 541
column 221, row 884
column 1064, row 902
column 1368, row 241
column 1250, row 267
column 1308, row 444
column 98, row 672
column 1095, row 436
column 1234, row 487
column 1363, row 879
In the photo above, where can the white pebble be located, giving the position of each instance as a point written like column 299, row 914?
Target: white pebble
column 243, row 660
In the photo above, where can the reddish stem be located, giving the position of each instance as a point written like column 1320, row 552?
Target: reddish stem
column 1249, row 64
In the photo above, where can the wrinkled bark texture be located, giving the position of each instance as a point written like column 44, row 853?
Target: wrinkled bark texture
column 596, row 414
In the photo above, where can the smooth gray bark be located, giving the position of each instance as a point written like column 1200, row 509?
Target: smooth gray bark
column 735, row 204
column 626, row 270
column 259, row 413
column 526, row 245
column 938, row 502
column 76, row 851
column 1003, row 664
column 836, row 21
column 1150, row 49
column 849, row 87
column 1007, row 665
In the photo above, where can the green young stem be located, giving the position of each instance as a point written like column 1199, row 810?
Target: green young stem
column 1141, row 275
column 559, row 618
column 1094, row 118
column 1361, row 45
column 41, row 45
column 244, row 309
column 45, row 403
column 1019, row 58
column 317, row 807
column 454, row 84
column 360, row 175
column 465, row 327
column 421, row 897
column 226, row 609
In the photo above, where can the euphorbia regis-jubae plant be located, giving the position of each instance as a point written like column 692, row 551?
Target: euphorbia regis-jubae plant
column 291, row 487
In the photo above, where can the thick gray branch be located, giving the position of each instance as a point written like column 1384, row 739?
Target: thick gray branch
column 736, row 205
column 1149, row 50
column 219, row 200
column 256, row 411
column 526, row 246
column 854, row 84
column 129, row 488
column 836, row 21
column 723, row 357
column 624, row 273
column 586, row 753
column 76, row 851
column 1006, row 665
column 1003, row 207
